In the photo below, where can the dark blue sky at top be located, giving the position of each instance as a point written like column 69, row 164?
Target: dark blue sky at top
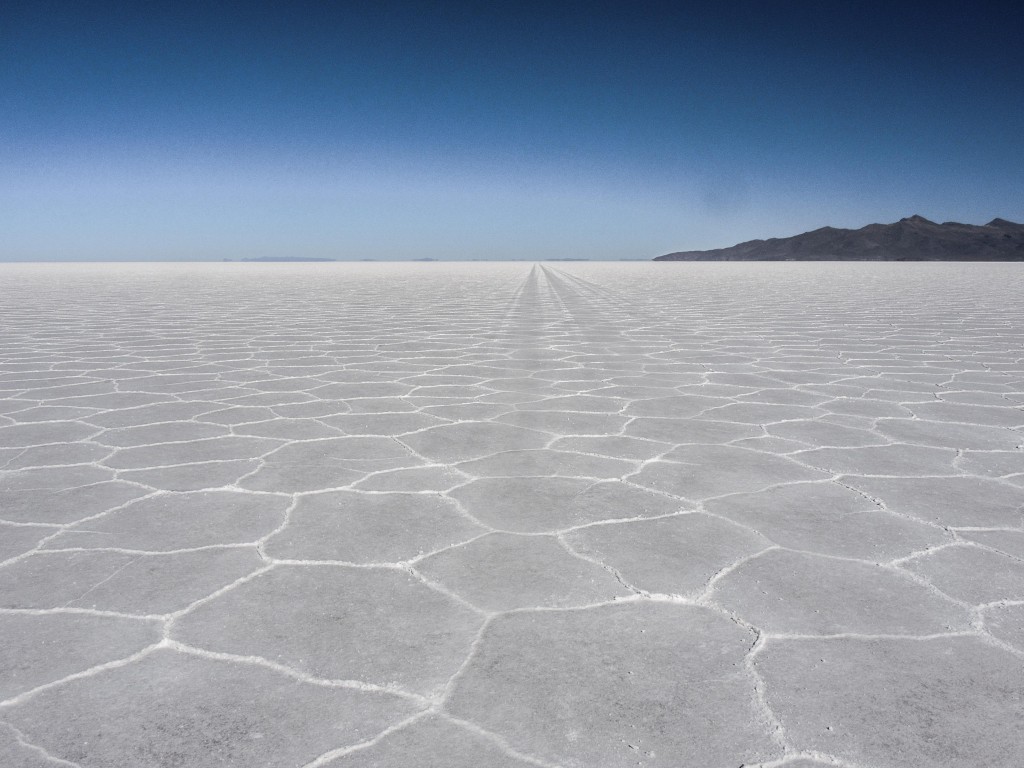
column 465, row 130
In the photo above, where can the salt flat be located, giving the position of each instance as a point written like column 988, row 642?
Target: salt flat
column 464, row 515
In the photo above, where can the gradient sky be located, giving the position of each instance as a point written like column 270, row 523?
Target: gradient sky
column 460, row 130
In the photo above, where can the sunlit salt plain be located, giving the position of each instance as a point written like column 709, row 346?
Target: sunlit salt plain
column 471, row 515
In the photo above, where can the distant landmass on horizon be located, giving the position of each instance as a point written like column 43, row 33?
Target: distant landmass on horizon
column 283, row 258
column 911, row 239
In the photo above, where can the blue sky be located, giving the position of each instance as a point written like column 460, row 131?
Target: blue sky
column 459, row 130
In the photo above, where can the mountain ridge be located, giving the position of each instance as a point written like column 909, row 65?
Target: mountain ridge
column 913, row 238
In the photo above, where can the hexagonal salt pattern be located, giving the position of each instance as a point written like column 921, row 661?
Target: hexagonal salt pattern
column 951, row 701
column 592, row 515
column 652, row 682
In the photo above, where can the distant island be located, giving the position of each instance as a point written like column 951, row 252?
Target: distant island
column 285, row 258
column 911, row 239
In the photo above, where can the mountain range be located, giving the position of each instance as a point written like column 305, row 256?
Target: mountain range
column 911, row 239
